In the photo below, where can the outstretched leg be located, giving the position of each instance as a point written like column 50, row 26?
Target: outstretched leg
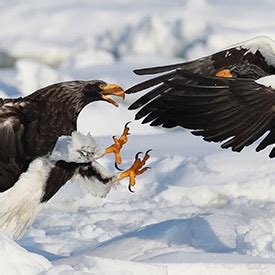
column 117, row 146
column 135, row 170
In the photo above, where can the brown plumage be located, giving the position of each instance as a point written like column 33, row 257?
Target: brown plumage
column 30, row 126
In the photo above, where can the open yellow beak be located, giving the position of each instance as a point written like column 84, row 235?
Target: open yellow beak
column 111, row 89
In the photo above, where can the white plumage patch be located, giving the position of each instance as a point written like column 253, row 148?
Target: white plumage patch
column 93, row 185
column 264, row 44
column 82, row 148
column 21, row 203
column 75, row 148
column 268, row 81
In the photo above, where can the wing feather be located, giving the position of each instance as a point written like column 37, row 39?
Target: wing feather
column 236, row 111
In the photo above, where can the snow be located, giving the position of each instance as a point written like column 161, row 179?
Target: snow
column 32, row 75
column 200, row 209
column 15, row 260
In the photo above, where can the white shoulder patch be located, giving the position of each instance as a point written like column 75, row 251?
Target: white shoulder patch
column 264, row 44
column 268, row 81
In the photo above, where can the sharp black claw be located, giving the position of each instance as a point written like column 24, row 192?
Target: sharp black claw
column 148, row 151
column 137, row 155
column 114, row 137
column 119, row 169
column 129, row 188
column 126, row 125
column 147, row 167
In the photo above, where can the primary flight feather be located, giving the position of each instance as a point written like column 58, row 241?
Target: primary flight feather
column 226, row 97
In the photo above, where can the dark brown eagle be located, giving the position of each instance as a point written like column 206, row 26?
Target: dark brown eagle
column 226, row 97
column 40, row 150
column 30, row 126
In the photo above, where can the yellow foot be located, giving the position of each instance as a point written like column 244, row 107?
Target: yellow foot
column 118, row 144
column 135, row 170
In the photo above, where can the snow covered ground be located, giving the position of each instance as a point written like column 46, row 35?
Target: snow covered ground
column 200, row 209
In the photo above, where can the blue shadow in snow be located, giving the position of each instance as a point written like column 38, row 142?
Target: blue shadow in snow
column 195, row 232
column 29, row 244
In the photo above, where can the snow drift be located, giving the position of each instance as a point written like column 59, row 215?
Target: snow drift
column 200, row 209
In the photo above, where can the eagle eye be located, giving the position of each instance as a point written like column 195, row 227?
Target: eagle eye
column 92, row 89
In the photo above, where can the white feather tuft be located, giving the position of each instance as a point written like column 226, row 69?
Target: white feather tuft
column 75, row 148
column 93, row 185
column 21, row 203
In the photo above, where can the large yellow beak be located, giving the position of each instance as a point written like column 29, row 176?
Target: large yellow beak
column 111, row 89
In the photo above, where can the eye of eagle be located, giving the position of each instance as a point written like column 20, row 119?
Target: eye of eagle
column 91, row 89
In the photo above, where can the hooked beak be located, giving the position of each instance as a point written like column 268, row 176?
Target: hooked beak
column 111, row 89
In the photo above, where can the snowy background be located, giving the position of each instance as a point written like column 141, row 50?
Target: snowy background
column 200, row 209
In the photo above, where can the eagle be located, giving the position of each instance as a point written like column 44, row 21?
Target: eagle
column 40, row 150
column 227, row 97
column 30, row 126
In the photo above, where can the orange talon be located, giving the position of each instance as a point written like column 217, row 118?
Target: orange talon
column 117, row 146
column 135, row 170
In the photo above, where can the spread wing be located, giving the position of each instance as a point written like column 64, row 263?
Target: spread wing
column 30, row 126
column 250, row 59
column 235, row 110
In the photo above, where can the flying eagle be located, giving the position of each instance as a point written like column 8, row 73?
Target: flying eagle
column 36, row 161
column 226, row 97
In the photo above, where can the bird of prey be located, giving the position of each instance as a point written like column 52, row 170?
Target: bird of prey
column 30, row 126
column 33, row 165
column 227, row 97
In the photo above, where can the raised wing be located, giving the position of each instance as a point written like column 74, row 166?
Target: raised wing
column 250, row 59
column 235, row 110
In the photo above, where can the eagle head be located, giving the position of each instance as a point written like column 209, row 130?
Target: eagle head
column 96, row 90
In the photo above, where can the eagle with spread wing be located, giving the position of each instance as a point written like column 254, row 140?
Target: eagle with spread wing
column 226, row 97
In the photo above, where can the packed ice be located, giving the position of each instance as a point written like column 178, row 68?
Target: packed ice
column 200, row 209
